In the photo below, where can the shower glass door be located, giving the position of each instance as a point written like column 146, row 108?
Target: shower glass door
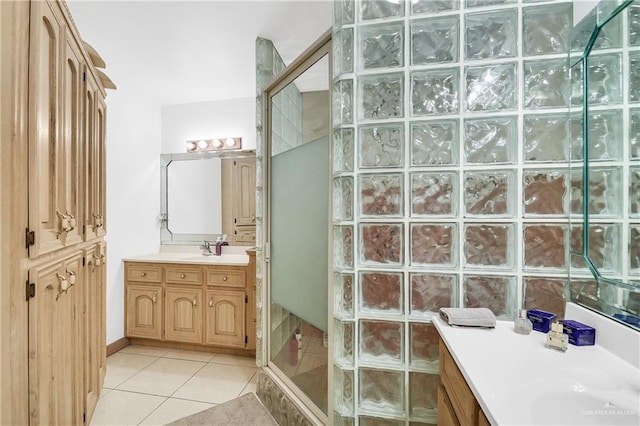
column 298, row 227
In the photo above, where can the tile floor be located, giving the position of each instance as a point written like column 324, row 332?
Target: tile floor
column 146, row 385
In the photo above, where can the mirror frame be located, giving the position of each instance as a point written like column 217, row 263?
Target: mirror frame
column 168, row 237
column 592, row 24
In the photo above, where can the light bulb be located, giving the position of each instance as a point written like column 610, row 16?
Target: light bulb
column 203, row 144
column 230, row 142
column 217, row 143
column 191, row 146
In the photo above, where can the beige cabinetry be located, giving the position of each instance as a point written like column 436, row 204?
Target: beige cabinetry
column 204, row 305
column 456, row 402
column 239, row 218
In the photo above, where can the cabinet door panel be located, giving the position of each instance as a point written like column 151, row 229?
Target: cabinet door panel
column 45, row 191
column 225, row 318
column 91, row 216
column 101, row 173
column 144, row 311
column 54, row 364
column 91, row 328
column 102, row 302
column 245, row 191
column 183, row 316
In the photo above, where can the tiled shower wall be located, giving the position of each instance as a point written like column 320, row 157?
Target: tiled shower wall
column 451, row 182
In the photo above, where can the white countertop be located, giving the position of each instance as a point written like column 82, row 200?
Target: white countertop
column 518, row 381
column 231, row 256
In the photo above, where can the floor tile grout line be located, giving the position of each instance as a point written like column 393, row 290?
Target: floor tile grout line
column 186, row 381
column 154, row 410
column 247, row 384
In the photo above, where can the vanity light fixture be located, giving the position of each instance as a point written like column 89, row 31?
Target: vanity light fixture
column 219, row 144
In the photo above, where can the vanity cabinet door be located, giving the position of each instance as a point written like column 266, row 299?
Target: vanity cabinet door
column 446, row 415
column 225, row 318
column 144, row 311
column 183, row 315
column 244, row 180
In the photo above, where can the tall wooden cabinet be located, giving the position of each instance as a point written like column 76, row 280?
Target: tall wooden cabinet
column 53, row 272
column 239, row 200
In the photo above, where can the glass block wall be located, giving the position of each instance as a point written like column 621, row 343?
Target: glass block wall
column 451, row 182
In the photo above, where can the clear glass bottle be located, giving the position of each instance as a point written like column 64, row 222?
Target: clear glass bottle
column 556, row 339
column 523, row 325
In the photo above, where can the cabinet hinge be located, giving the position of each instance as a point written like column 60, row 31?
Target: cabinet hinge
column 84, row 418
column 234, row 162
column 84, row 261
column 235, row 220
column 84, row 229
column 246, row 339
column 246, row 299
column 31, row 290
column 235, row 231
column 84, row 76
column 30, row 238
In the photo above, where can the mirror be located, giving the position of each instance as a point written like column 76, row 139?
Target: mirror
column 297, row 221
column 605, row 231
column 195, row 196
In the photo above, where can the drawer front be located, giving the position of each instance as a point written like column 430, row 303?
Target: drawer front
column 177, row 275
column 226, row 278
column 144, row 273
column 446, row 416
column 464, row 403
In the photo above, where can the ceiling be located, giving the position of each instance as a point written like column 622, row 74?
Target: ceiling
column 175, row 52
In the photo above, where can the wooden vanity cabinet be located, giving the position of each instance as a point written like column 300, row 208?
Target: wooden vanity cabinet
column 456, row 402
column 190, row 303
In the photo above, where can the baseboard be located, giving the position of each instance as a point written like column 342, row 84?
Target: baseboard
column 114, row 347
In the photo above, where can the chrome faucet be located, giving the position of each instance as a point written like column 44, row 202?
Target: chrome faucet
column 206, row 248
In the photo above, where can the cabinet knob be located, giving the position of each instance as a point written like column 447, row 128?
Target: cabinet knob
column 143, row 274
column 72, row 277
column 182, row 276
column 154, row 299
column 211, row 303
column 224, row 278
column 195, row 301
column 97, row 260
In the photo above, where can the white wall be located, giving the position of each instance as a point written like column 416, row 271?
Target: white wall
column 133, row 192
column 208, row 120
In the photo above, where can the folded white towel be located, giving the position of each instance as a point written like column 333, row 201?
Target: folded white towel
column 468, row 317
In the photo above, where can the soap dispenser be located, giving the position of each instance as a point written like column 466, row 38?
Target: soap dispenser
column 218, row 246
column 556, row 339
column 523, row 325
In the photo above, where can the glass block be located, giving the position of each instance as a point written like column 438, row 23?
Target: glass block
column 342, row 51
column 546, row 84
column 343, row 295
column 434, row 40
column 583, row 289
column 546, row 29
column 491, row 34
column 489, row 245
column 634, row 24
column 343, row 12
column 544, row 293
column 546, row 138
column 634, row 246
column 497, row 293
column 634, row 191
column 343, row 198
column 434, row 92
column 434, row 244
column 377, row 421
column 381, row 392
column 545, row 192
column 343, row 391
column 604, row 127
column 339, row 420
column 604, row 246
column 381, row 342
column 481, row 3
column 491, row 88
column 381, row 244
column 343, row 150
column 604, row 192
column 343, row 338
column 381, row 195
column 434, row 193
column 376, row 9
column 545, row 246
column 382, row 46
column 381, row 292
column 634, row 77
column 342, row 247
column 430, row 292
column 489, row 193
column 342, row 102
column 432, row 6
column 423, row 396
column 381, row 146
column 435, row 142
column 382, row 96
column 604, row 80
column 425, row 351
column 610, row 36
column 490, row 140
column 634, row 133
